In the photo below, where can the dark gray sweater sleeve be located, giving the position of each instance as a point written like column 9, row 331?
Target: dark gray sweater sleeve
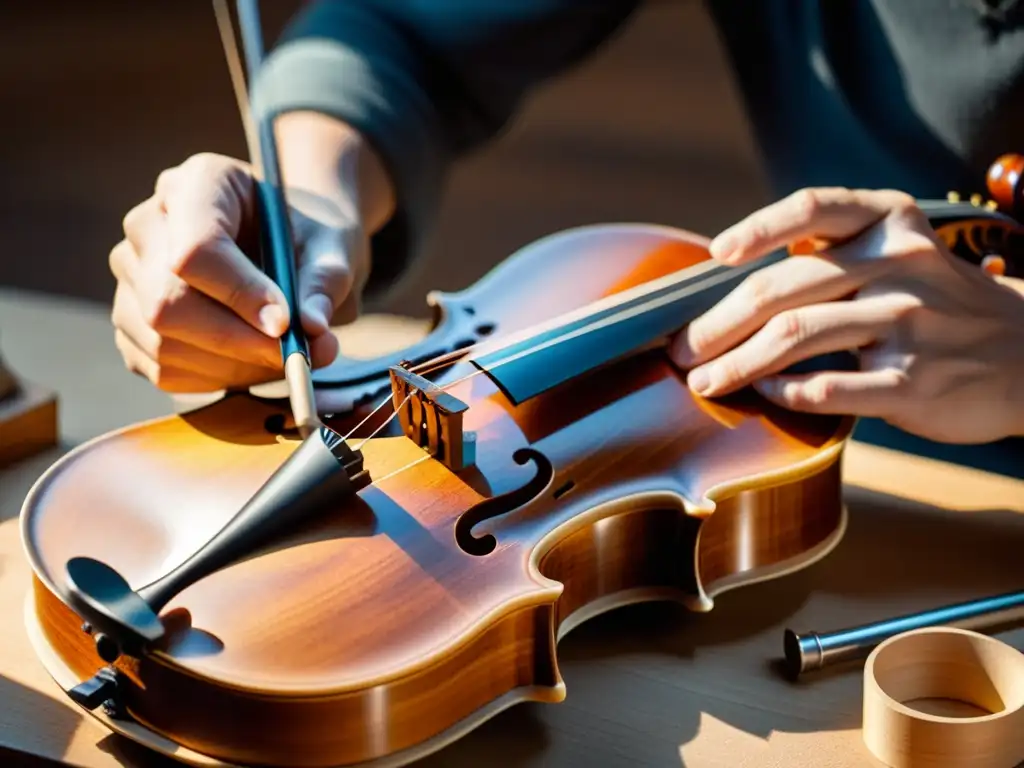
column 425, row 82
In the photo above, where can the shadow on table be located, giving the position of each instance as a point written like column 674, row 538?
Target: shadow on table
column 639, row 678
column 48, row 727
column 128, row 753
column 39, row 722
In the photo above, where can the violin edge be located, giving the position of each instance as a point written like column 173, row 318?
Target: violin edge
column 530, row 673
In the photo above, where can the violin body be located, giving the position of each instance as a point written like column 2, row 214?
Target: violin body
column 381, row 631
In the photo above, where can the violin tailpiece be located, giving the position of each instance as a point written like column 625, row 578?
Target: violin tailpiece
column 319, row 474
column 432, row 418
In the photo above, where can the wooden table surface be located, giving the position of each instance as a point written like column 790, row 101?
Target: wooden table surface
column 648, row 685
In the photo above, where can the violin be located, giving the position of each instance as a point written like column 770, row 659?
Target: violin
column 222, row 589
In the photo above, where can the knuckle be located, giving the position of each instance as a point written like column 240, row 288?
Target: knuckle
column 901, row 202
column 203, row 162
column 132, row 220
column 758, row 292
column 213, row 165
column 183, row 257
column 907, row 390
column 160, row 310
column 901, row 382
column 166, row 179
column 819, row 391
column 806, row 204
column 915, row 247
column 786, row 329
column 728, row 371
column 117, row 311
column 912, row 318
column 242, row 294
column 116, row 260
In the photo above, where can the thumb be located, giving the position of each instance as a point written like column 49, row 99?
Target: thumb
column 205, row 203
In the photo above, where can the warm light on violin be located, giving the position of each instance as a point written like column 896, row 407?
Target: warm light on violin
column 379, row 588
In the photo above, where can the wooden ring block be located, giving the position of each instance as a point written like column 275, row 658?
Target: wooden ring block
column 952, row 664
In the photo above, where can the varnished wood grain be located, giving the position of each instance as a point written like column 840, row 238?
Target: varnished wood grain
column 371, row 633
column 647, row 684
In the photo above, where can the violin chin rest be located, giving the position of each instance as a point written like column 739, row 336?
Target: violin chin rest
column 117, row 616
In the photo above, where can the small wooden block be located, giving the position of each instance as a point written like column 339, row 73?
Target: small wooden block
column 28, row 422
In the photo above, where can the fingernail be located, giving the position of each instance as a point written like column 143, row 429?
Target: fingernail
column 699, row 380
column 273, row 320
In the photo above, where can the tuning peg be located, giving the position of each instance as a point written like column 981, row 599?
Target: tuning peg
column 953, row 197
column 975, row 200
column 992, row 205
column 994, row 265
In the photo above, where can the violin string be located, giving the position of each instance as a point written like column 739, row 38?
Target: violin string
column 369, row 416
column 439, row 361
column 684, row 287
column 398, row 471
column 386, row 421
column 628, row 299
column 434, row 363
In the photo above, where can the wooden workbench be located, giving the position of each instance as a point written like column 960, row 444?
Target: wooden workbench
column 649, row 685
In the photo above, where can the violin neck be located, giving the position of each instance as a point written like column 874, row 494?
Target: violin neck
column 544, row 356
column 570, row 346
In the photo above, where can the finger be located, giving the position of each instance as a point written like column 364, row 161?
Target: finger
column 176, row 354
column 829, row 214
column 166, row 378
column 870, row 394
column 140, row 221
column 793, row 282
column 792, row 337
column 206, row 202
column 122, row 262
column 325, row 279
column 323, row 349
column 178, row 311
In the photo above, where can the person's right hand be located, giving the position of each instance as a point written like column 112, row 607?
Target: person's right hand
column 193, row 313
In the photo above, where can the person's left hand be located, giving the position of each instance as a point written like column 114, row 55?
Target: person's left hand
column 940, row 341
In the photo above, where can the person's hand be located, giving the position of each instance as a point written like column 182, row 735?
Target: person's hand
column 940, row 341
column 193, row 313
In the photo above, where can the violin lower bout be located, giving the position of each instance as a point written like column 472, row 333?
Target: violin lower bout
column 633, row 550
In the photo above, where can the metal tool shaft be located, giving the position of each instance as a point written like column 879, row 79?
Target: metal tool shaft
column 812, row 651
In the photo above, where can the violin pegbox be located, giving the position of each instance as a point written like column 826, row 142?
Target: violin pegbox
column 432, row 418
column 978, row 230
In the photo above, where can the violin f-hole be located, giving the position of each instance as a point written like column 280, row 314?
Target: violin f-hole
column 503, row 504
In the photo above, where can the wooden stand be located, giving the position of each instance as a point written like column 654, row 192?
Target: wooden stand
column 28, row 418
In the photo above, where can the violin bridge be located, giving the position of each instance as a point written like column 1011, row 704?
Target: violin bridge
column 432, row 418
